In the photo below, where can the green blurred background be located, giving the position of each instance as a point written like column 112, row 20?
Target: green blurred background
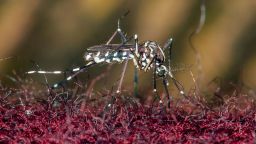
column 56, row 33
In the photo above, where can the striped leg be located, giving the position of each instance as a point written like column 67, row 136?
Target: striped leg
column 117, row 31
column 78, row 70
column 165, row 83
column 156, row 96
column 122, row 77
column 178, row 85
column 123, row 37
column 168, row 45
column 136, row 39
column 135, row 60
column 45, row 72
column 135, row 82
column 112, row 37
column 124, row 40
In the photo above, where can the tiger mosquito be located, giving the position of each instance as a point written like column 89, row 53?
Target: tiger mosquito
column 145, row 56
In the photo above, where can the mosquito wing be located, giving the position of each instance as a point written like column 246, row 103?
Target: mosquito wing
column 110, row 48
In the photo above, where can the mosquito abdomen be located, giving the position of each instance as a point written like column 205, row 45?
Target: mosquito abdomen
column 108, row 56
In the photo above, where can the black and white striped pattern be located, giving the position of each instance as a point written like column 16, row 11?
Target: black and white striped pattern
column 108, row 56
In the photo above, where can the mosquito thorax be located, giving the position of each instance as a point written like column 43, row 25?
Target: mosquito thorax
column 149, row 51
column 155, row 49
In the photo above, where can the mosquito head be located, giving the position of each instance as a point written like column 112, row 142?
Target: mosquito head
column 162, row 71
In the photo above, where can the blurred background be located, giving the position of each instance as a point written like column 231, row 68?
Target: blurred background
column 55, row 35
